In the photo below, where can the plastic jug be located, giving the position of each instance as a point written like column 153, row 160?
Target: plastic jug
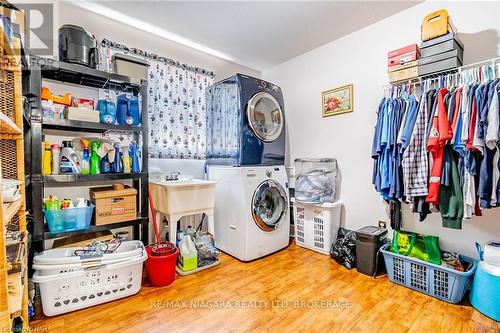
column 70, row 160
column 188, row 256
column 107, row 111
column 127, row 110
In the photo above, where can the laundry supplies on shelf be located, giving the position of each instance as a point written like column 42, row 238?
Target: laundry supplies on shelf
column 63, row 216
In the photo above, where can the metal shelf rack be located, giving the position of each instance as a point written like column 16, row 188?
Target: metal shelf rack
column 42, row 68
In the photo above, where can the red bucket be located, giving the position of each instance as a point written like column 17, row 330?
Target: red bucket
column 161, row 269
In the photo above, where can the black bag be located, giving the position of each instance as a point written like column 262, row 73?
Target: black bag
column 343, row 251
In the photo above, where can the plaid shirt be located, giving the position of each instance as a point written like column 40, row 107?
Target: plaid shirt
column 415, row 163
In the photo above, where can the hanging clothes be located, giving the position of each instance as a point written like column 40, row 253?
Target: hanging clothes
column 442, row 151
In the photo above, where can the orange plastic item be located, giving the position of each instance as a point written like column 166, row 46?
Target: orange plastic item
column 47, row 95
column 436, row 24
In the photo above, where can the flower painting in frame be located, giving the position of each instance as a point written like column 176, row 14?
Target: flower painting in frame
column 337, row 101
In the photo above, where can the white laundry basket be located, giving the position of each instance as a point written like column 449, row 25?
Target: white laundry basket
column 82, row 287
column 317, row 225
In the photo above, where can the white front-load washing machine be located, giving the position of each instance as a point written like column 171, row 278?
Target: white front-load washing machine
column 251, row 217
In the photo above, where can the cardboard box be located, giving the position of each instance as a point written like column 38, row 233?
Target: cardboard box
column 404, row 74
column 114, row 204
column 82, row 114
column 403, row 66
column 439, row 66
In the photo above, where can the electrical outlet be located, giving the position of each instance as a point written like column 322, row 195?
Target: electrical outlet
column 382, row 224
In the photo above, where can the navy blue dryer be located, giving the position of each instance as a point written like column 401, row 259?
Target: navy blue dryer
column 245, row 122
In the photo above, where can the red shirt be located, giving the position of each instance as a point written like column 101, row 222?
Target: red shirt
column 440, row 133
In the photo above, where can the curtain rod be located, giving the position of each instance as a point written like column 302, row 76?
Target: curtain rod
column 456, row 70
column 139, row 52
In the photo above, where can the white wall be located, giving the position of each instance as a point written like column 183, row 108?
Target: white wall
column 360, row 58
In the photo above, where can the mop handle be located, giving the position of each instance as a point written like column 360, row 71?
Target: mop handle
column 153, row 215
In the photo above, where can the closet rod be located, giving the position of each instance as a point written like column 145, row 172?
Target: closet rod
column 456, row 70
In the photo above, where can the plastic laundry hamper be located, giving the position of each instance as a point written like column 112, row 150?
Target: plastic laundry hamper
column 93, row 283
column 438, row 281
column 316, row 225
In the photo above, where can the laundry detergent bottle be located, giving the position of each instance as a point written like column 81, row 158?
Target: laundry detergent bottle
column 134, row 156
column 47, row 159
column 85, row 165
column 70, row 160
column 188, row 255
column 95, row 160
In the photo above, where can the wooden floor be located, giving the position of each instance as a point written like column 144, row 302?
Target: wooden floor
column 295, row 290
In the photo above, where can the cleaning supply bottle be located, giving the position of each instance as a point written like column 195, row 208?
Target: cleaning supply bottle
column 95, row 160
column 190, row 232
column 105, row 164
column 70, row 160
column 126, row 160
column 56, row 158
column 85, row 165
column 117, row 166
column 188, row 255
column 47, row 159
column 134, row 156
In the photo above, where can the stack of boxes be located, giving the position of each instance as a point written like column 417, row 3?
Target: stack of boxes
column 441, row 49
column 402, row 64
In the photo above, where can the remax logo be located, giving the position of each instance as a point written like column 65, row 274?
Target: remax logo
column 39, row 33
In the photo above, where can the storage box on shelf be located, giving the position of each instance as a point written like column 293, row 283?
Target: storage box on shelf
column 42, row 69
column 13, row 253
column 402, row 64
column 440, row 54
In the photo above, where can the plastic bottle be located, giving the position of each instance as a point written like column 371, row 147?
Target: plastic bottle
column 117, row 166
column 105, row 165
column 85, row 165
column 47, row 160
column 56, row 158
column 134, row 156
column 126, row 160
column 188, row 255
column 94, row 158
column 190, row 232
column 70, row 160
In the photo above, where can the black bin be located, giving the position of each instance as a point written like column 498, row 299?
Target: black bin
column 368, row 241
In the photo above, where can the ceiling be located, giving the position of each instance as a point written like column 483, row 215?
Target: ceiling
column 258, row 34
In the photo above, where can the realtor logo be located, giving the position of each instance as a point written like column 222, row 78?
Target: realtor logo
column 39, row 34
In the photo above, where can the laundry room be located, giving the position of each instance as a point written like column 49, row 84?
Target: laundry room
column 249, row 166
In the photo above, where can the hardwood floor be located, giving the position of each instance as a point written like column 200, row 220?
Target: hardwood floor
column 316, row 294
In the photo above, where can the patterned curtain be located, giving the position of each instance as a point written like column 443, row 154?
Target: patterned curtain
column 176, row 103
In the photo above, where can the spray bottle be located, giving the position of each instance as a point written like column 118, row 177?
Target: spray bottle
column 126, row 160
column 134, row 155
column 94, row 158
column 85, row 164
column 47, row 159
column 117, row 166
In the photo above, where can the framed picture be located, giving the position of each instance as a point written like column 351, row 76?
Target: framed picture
column 337, row 101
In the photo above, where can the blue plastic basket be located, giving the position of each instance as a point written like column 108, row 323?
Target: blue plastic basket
column 69, row 219
column 438, row 281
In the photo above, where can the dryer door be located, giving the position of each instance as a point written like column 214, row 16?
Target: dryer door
column 265, row 116
column 269, row 205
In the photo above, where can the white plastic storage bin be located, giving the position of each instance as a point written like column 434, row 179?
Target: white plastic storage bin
column 317, row 225
column 91, row 283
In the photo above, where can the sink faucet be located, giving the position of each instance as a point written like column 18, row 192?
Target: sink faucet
column 173, row 176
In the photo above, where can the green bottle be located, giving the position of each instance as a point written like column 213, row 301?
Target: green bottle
column 95, row 160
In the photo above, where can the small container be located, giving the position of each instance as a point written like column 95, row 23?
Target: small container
column 69, row 219
column 315, row 179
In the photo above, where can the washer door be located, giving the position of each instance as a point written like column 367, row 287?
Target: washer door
column 265, row 116
column 269, row 205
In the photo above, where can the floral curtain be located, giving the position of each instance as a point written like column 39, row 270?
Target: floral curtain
column 176, row 103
